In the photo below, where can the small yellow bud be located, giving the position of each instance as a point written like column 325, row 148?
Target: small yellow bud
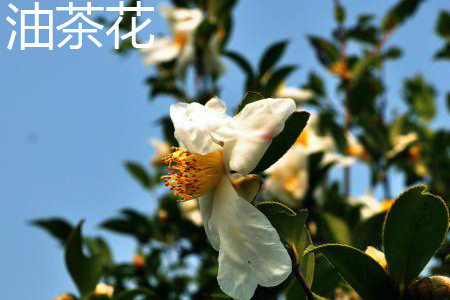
column 66, row 296
column 104, row 289
column 139, row 261
column 431, row 288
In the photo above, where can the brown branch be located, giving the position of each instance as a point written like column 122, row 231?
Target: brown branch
column 298, row 274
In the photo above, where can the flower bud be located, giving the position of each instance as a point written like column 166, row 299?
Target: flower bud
column 104, row 290
column 431, row 288
column 66, row 296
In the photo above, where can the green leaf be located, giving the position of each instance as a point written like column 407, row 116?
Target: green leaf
column 392, row 53
column 249, row 97
column 130, row 295
column 271, row 56
column 326, row 51
column 282, row 142
column 444, row 52
column 242, row 62
column 399, row 13
column 56, row 227
column 369, row 232
column 443, row 24
column 326, row 279
column 339, row 13
column 316, row 84
column 306, row 263
column 291, row 227
column 335, row 228
column 168, row 130
column 277, row 78
column 448, row 101
column 130, row 223
column 139, row 173
column 85, row 271
column 363, row 273
column 420, row 96
column 414, row 229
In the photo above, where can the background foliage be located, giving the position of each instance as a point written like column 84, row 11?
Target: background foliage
column 168, row 242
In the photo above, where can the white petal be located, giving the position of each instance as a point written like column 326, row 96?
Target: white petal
column 162, row 50
column 206, row 204
column 249, row 245
column 254, row 128
column 297, row 94
column 235, row 278
column 194, row 124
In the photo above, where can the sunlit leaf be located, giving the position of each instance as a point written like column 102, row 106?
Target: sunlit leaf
column 84, row 270
column 414, row 229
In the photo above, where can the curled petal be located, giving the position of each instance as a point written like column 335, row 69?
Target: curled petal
column 194, row 124
column 252, row 130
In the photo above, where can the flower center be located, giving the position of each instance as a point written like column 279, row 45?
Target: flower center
column 193, row 175
column 181, row 39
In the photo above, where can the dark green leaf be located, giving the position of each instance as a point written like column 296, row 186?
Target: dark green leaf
column 277, row 78
column 339, row 13
column 443, row 24
column 326, row 51
column 56, row 227
column 139, row 173
column 130, row 223
column 420, row 96
column 249, row 97
column 363, row 273
column 414, row 229
column 282, row 142
column 399, row 13
column 85, row 271
column 316, row 84
column 335, row 228
column 369, row 232
column 307, row 266
column 444, row 52
column 241, row 62
column 271, row 56
column 168, row 130
column 392, row 53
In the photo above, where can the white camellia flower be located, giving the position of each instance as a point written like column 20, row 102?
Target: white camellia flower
column 288, row 177
column 183, row 23
column 369, row 205
column 298, row 94
column 214, row 150
column 401, row 142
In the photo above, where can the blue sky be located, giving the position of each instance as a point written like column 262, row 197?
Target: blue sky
column 68, row 120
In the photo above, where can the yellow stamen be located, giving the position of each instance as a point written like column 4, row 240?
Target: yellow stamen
column 193, row 175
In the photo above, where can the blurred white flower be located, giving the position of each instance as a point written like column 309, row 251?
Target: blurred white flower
column 161, row 148
column 183, row 23
column 191, row 210
column 181, row 46
column 401, row 142
column 369, row 205
column 213, row 147
column 288, row 177
column 298, row 94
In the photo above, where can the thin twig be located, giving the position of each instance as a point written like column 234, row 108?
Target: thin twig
column 298, row 274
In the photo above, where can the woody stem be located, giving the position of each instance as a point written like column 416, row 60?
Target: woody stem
column 299, row 275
